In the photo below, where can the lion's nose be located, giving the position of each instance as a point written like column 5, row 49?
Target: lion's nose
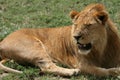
column 77, row 37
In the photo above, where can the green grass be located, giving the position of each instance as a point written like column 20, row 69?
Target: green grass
column 17, row 14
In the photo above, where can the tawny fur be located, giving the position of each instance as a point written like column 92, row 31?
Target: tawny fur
column 46, row 46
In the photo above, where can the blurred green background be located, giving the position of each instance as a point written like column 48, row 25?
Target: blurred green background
column 17, row 14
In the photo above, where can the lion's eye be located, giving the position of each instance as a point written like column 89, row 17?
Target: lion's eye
column 87, row 25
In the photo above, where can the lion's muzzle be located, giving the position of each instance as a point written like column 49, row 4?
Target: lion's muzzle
column 84, row 48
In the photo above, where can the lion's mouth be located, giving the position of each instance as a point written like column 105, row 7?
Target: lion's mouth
column 87, row 46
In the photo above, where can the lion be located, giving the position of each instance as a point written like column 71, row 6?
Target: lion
column 91, row 45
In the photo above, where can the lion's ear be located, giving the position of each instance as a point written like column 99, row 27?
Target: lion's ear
column 73, row 14
column 101, row 17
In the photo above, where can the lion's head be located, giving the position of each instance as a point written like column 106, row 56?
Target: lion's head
column 89, row 28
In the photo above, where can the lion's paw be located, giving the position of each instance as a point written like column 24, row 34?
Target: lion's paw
column 114, row 71
column 75, row 72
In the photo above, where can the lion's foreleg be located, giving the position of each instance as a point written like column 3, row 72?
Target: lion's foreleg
column 49, row 66
column 98, row 71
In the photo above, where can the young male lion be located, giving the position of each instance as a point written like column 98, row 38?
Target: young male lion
column 91, row 45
